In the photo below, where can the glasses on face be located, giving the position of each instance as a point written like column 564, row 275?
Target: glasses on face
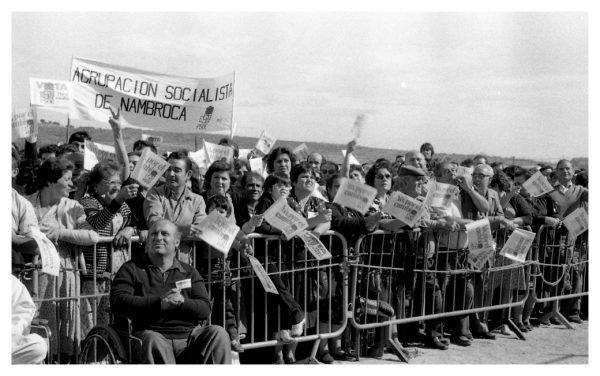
column 328, row 172
column 383, row 176
column 480, row 176
column 112, row 183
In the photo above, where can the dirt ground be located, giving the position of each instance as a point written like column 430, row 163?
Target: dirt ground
column 543, row 345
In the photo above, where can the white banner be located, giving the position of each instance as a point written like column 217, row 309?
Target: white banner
column 518, row 245
column 301, row 152
column 154, row 139
column 281, row 216
column 256, row 165
column 314, row 245
column 50, row 93
column 243, row 153
column 537, row 185
column 23, row 124
column 262, row 275
column 441, row 195
column 351, row 158
column 215, row 152
column 577, row 222
column 149, row 169
column 265, row 143
column 405, row 208
column 355, row 195
column 95, row 152
column 218, row 232
column 151, row 100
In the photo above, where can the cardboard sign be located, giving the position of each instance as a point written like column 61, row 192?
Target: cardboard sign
column 479, row 258
column 218, row 232
column 95, row 152
column 262, row 275
column 301, row 152
column 48, row 252
column 405, row 208
column 441, row 195
column 216, row 152
column 314, row 245
column 23, row 124
column 480, row 236
column 243, row 153
column 518, row 245
column 281, row 216
column 577, row 222
column 51, row 93
column 149, row 169
column 355, row 195
column 467, row 172
column 351, row 158
column 200, row 158
column 151, row 100
column 154, row 139
column 265, row 143
column 256, row 165
column 537, row 185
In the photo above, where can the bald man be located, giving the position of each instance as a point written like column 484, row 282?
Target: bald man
column 166, row 300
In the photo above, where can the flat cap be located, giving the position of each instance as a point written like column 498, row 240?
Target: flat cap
column 407, row 170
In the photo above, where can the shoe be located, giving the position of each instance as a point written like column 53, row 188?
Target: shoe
column 484, row 335
column 236, row 346
column 325, row 357
column 339, row 354
column 555, row 321
column 575, row 318
column 522, row 327
column 506, row 331
column 298, row 329
column 461, row 341
column 284, row 336
column 528, row 325
column 375, row 352
column 436, row 343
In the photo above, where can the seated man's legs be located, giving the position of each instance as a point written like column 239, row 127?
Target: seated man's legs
column 156, row 349
column 206, row 345
column 29, row 349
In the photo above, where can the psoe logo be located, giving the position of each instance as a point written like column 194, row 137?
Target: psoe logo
column 205, row 119
column 47, row 93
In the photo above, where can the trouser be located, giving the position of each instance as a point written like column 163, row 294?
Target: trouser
column 427, row 299
column 29, row 349
column 458, row 290
column 204, row 345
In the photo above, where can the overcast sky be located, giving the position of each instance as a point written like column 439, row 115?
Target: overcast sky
column 507, row 84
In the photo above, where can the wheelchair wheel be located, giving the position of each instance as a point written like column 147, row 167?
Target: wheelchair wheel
column 102, row 345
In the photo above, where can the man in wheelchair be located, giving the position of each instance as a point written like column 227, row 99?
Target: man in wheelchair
column 165, row 299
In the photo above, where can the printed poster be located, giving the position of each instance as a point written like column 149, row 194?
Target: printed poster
column 301, row 152
column 537, row 185
column 51, row 93
column 23, row 124
column 48, row 253
column 149, row 169
column 286, row 219
column 215, row 152
column 518, row 245
column 262, row 275
column 218, row 232
column 405, row 208
column 265, row 143
column 481, row 242
column 577, row 222
column 149, row 99
column 200, row 158
column 95, row 152
column 256, row 165
column 355, row 195
column 314, row 245
column 441, row 195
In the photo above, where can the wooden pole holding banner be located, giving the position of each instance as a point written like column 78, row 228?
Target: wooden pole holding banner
column 195, row 143
column 68, row 124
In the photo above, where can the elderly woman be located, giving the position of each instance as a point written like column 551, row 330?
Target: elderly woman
column 379, row 177
column 281, row 159
column 64, row 222
column 109, row 215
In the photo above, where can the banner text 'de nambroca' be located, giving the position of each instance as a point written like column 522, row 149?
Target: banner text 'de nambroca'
column 151, row 100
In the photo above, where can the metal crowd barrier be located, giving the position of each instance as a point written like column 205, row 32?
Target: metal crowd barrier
column 414, row 276
column 560, row 276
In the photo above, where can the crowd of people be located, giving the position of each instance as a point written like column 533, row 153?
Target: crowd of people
column 72, row 207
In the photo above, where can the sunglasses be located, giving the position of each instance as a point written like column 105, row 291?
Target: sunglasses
column 384, row 176
column 328, row 172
